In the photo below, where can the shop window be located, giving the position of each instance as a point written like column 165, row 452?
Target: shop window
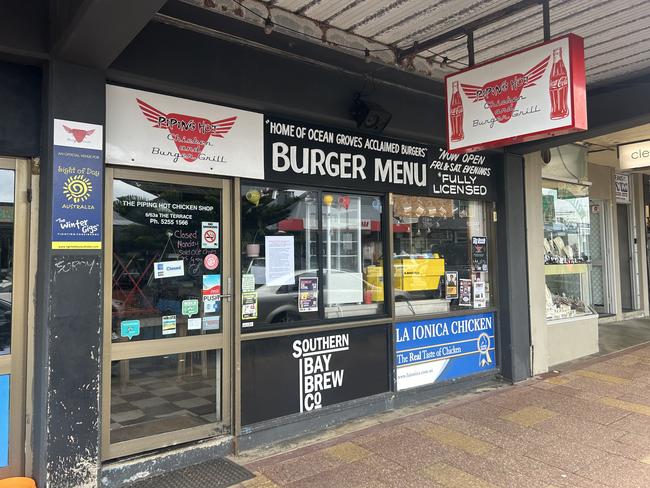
column 309, row 255
column 567, row 261
column 6, row 257
column 440, row 260
column 166, row 280
column 353, row 250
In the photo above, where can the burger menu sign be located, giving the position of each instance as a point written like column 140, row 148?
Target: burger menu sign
column 532, row 94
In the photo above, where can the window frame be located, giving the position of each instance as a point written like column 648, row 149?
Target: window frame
column 322, row 320
column 489, row 214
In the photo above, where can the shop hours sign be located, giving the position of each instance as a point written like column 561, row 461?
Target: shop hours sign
column 299, row 374
column 535, row 93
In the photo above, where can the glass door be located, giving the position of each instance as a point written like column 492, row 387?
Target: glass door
column 167, row 330
column 14, row 231
column 598, row 246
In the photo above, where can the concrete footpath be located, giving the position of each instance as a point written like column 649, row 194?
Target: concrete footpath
column 588, row 426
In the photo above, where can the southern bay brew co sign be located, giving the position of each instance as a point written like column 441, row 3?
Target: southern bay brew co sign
column 532, row 94
column 297, row 374
column 327, row 157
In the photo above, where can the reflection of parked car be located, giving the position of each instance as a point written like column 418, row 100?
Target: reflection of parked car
column 257, row 268
column 5, row 326
column 5, row 290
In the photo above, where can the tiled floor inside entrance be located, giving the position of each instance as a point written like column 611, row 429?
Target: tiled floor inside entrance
column 157, row 401
column 588, row 426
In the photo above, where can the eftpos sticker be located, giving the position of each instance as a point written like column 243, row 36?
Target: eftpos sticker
column 209, row 235
column 130, row 328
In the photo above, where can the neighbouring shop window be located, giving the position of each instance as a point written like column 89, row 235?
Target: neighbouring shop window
column 567, row 261
column 6, row 257
column 166, row 260
column 440, row 261
column 308, row 255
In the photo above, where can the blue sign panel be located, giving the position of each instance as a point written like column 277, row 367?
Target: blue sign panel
column 437, row 350
column 4, row 420
column 78, row 182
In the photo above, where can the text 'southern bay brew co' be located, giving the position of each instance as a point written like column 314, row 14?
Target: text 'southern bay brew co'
column 558, row 86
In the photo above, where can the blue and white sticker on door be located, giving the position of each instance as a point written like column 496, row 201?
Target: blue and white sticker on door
column 130, row 328
column 438, row 350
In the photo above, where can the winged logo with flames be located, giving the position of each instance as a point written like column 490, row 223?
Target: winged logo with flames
column 189, row 133
column 502, row 95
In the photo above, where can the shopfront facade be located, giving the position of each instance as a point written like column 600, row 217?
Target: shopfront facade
column 279, row 274
column 214, row 269
column 588, row 214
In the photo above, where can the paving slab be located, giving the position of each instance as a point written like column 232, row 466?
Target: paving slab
column 587, row 426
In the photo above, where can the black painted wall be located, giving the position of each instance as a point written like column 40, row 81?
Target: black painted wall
column 184, row 63
column 68, row 328
column 20, row 109
column 512, row 260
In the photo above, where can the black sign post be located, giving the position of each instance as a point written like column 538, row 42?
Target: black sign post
column 339, row 158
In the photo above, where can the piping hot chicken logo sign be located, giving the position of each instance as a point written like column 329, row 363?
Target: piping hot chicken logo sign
column 190, row 134
column 145, row 129
column 532, row 94
column 501, row 96
column 79, row 135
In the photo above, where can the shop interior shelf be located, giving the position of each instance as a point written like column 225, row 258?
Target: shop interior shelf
column 562, row 269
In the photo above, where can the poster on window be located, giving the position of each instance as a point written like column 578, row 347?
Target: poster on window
column 465, row 293
column 280, row 266
column 308, row 295
column 304, row 373
column 479, row 253
column 451, row 285
column 622, row 185
column 78, row 160
column 249, row 306
column 211, row 293
column 443, row 349
column 480, row 299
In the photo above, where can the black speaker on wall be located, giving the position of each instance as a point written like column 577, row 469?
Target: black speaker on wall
column 369, row 115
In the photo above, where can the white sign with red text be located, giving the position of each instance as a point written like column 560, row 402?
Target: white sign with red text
column 532, row 94
column 145, row 129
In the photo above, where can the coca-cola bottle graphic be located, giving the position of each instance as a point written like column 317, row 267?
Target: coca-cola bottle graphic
column 558, row 86
column 456, row 114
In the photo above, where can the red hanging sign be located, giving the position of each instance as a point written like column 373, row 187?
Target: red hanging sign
column 532, row 94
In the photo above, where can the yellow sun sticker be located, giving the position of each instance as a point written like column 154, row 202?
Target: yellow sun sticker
column 77, row 188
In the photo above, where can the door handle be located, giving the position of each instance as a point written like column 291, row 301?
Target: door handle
column 228, row 295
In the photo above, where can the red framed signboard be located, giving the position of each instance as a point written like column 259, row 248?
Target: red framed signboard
column 532, row 94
